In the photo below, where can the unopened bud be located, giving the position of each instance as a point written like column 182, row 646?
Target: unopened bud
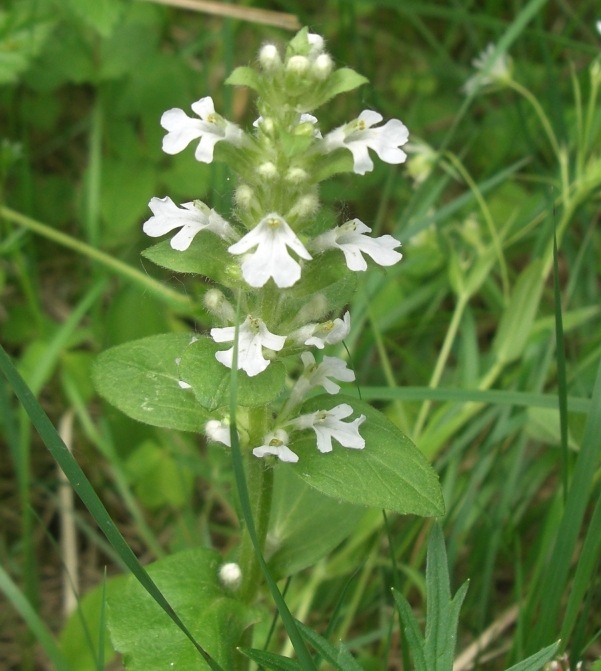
column 269, row 57
column 305, row 206
column 218, row 305
column 230, row 576
column 322, row 67
column 297, row 65
column 316, row 42
column 244, row 196
column 296, row 175
column 267, row 170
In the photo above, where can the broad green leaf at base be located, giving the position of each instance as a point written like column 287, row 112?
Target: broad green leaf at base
column 150, row 641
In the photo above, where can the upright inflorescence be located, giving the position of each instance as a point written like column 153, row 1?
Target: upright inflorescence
column 289, row 276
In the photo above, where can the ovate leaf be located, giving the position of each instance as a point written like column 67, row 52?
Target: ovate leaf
column 297, row 534
column 390, row 472
column 245, row 76
column 341, row 81
column 142, row 379
column 147, row 637
column 207, row 255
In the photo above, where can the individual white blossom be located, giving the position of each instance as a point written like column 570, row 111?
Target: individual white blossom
column 359, row 136
column 191, row 218
column 598, row 26
column 275, row 443
column 491, row 70
column 271, row 239
column 253, row 335
column 328, row 424
column 325, row 333
column 317, row 44
column 218, row 432
column 316, row 375
column 351, row 239
column 211, row 128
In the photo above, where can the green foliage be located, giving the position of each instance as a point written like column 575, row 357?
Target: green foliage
column 142, row 379
column 389, row 473
column 146, row 636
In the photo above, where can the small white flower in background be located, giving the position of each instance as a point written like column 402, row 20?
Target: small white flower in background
column 325, row 333
column 271, row 237
column 253, row 335
column 191, row 218
column 210, row 128
column 359, row 136
column 351, row 239
column 422, row 158
column 275, row 444
column 230, row 576
column 598, row 26
column 218, row 432
column 328, row 424
column 491, row 71
column 316, row 375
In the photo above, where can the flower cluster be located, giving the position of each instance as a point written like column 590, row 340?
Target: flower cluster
column 275, row 244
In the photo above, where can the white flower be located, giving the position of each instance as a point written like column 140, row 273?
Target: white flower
column 491, row 70
column 218, row 432
column 253, row 335
column 275, row 443
column 190, row 217
column 351, row 239
column 210, row 128
column 328, row 424
column 271, row 237
column 324, row 333
column 316, row 375
column 359, row 136
column 598, row 26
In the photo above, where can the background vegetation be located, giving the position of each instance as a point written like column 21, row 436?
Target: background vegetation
column 480, row 347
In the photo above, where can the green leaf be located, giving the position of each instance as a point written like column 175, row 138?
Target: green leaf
column 390, row 472
column 443, row 612
column 141, row 378
column 412, row 631
column 245, row 76
column 158, row 478
column 100, row 15
column 538, row 660
column 81, row 633
column 147, row 637
column 21, row 40
column 297, row 535
column 339, row 656
column 340, row 81
column 207, row 255
column 517, row 320
column 210, row 379
column 270, row 660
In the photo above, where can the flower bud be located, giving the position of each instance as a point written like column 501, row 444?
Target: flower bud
column 296, row 175
column 305, row 206
column 322, row 67
column 297, row 65
column 230, row 576
column 316, row 42
column 218, row 432
column 269, row 58
column 244, row 196
column 218, row 304
column 268, row 170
